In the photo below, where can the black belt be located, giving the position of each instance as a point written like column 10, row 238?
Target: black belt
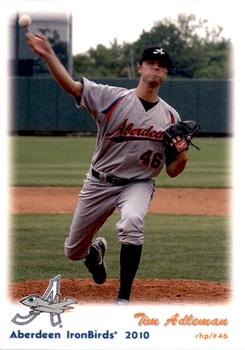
column 118, row 181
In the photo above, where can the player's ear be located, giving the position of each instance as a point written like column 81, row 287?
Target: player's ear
column 139, row 68
column 166, row 74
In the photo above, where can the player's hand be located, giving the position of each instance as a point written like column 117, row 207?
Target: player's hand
column 180, row 143
column 39, row 44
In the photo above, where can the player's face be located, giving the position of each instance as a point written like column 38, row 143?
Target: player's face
column 153, row 71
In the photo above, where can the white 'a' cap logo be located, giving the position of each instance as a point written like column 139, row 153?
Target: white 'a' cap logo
column 159, row 51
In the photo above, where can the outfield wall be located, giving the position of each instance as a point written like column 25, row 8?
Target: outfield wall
column 38, row 105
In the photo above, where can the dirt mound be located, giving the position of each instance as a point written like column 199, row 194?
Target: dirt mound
column 189, row 201
column 144, row 291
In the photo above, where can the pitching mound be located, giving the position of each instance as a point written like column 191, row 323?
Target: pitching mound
column 62, row 200
column 144, row 291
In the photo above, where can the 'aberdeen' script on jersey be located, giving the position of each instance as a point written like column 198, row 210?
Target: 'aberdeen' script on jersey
column 127, row 131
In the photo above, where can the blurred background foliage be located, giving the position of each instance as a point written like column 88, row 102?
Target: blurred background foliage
column 197, row 51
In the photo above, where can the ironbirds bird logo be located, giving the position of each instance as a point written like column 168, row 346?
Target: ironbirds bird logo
column 49, row 302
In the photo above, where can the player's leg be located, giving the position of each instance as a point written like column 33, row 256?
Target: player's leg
column 85, row 224
column 133, row 205
column 95, row 205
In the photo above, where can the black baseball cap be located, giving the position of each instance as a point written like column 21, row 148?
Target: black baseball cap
column 156, row 53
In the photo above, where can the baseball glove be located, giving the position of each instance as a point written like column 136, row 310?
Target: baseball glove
column 178, row 137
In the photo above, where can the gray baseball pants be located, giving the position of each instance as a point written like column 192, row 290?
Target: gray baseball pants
column 97, row 201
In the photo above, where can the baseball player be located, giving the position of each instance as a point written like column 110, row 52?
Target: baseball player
column 129, row 154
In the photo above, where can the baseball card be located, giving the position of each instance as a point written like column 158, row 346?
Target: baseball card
column 121, row 185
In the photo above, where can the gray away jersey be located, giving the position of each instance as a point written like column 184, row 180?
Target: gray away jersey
column 129, row 139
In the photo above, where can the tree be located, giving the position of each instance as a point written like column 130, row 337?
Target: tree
column 102, row 62
column 196, row 50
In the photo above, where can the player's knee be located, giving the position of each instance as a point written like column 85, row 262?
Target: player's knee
column 131, row 222
column 131, row 229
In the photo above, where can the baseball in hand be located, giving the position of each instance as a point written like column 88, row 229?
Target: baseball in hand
column 25, row 21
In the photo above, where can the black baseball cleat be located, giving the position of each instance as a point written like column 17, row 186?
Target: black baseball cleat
column 95, row 260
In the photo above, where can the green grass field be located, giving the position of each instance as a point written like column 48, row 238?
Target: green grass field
column 191, row 247
column 175, row 247
column 64, row 161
